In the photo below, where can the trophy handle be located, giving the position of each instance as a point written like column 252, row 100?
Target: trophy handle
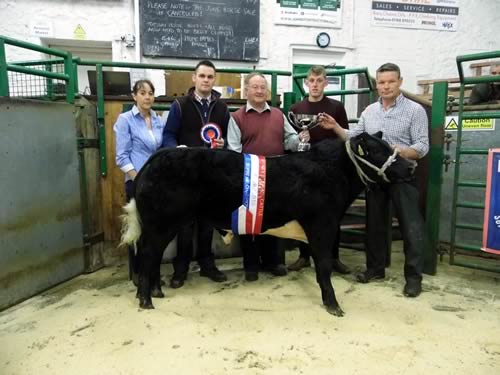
column 313, row 123
column 310, row 125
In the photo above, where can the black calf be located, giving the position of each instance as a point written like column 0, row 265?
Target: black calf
column 315, row 188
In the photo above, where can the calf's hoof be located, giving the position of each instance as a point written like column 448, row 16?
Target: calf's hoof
column 146, row 303
column 157, row 293
column 335, row 310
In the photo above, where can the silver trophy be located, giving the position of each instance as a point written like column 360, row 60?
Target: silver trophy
column 303, row 121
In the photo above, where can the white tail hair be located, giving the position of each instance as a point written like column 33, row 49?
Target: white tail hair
column 131, row 225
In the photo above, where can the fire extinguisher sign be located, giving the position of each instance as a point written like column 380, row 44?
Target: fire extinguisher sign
column 491, row 225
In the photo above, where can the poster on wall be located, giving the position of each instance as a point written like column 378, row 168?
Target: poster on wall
column 314, row 13
column 439, row 15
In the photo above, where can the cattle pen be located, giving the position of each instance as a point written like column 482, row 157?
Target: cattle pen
column 67, row 304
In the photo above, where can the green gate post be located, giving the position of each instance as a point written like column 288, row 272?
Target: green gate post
column 100, row 121
column 274, row 89
column 75, row 73
column 435, row 174
column 70, row 83
column 289, row 99
column 4, row 78
column 50, row 82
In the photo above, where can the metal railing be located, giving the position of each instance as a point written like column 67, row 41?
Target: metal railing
column 68, row 75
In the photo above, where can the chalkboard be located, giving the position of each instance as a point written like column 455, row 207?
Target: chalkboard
column 212, row 29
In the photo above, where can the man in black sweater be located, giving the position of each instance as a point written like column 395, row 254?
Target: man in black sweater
column 315, row 104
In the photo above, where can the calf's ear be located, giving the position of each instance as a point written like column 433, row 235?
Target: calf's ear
column 378, row 134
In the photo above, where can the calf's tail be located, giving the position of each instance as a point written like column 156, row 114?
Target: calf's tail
column 131, row 225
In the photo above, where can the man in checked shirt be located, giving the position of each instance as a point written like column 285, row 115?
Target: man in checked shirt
column 404, row 126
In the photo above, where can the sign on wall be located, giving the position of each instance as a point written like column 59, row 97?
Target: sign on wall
column 221, row 30
column 451, row 123
column 416, row 14
column 42, row 29
column 491, row 225
column 314, row 13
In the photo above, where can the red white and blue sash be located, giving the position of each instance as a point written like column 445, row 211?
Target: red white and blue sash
column 247, row 219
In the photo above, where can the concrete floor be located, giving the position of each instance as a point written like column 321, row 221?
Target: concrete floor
column 92, row 325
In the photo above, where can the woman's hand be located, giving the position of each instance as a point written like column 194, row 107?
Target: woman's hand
column 132, row 173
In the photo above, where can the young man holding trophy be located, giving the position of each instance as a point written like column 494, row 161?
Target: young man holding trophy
column 314, row 105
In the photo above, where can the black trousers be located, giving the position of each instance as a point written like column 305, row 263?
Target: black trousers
column 404, row 197
column 305, row 249
column 262, row 250
column 204, row 254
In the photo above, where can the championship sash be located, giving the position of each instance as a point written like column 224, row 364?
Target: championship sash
column 247, row 219
column 491, row 225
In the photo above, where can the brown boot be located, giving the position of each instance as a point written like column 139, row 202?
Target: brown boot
column 299, row 264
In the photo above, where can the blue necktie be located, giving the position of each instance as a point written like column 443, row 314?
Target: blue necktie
column 204, row 109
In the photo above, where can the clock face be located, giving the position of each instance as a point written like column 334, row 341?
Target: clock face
column 323, row 40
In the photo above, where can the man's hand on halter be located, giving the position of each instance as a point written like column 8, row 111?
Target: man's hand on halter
column 406, row 152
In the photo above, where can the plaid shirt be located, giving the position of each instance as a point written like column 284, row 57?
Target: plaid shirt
column 403, row 124
column 199, row 98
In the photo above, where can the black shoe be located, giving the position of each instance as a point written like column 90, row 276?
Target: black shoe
column 277, row 270
column 177, row 281
column 340, row 267
column 299, row 264
column 251, row 275
column 370, row 274
column 413, row 288
column 213, row 274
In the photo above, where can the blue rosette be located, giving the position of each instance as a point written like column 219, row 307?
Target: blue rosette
column 209, row 132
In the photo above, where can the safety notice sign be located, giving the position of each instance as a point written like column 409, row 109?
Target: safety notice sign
column 451, row 123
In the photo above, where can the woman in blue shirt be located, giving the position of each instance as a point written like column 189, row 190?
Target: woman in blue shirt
column 138, row 134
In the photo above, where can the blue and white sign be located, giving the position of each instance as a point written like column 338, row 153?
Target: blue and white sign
column 491, row 226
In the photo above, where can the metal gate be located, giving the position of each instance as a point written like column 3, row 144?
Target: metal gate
column 469, row 180
column 41, row 239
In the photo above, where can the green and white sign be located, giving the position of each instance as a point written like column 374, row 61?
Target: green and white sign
column 313, row 13
column 290, row 3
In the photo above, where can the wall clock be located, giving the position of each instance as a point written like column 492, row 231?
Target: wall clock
column 323, row 40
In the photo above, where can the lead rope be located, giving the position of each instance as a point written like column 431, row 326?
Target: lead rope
column 380, row 171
